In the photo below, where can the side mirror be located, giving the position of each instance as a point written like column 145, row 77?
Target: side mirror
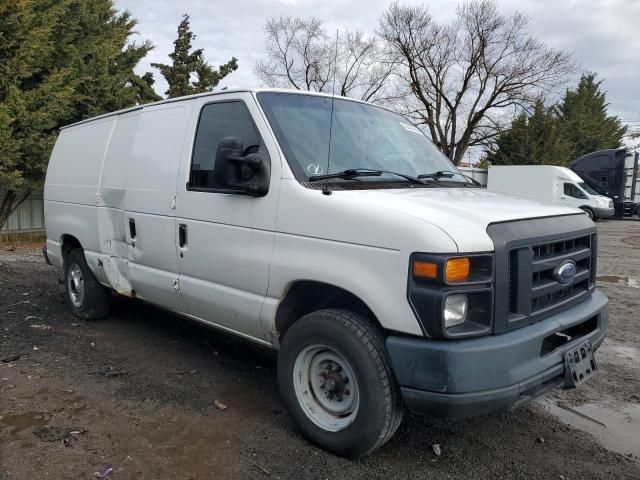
column 233, row 169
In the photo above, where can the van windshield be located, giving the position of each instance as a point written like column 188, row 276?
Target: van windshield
column 587, row 188
column 363, row 136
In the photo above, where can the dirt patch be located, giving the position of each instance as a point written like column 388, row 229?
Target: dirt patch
column 135, row 392
column 633, row 241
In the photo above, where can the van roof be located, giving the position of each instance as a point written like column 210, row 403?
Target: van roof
column 206, row 94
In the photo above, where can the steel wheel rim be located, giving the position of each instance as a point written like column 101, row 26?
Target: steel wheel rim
column 75, row 285
column 326, row 387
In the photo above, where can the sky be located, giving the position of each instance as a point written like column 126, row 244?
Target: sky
column 602, row 35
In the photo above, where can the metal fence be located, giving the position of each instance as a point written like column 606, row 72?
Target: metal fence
column 28, row 217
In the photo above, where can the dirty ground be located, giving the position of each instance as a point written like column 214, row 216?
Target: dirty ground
column 141, row 395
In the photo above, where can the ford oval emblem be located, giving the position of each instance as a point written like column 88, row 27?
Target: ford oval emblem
column 566, row 272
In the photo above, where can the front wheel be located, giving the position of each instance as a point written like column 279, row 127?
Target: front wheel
column 589, row 213
column 336, row 381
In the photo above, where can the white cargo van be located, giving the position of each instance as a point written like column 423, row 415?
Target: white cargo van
column 549, row 182
column 335, row 232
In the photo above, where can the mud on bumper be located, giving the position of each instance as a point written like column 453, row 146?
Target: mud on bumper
column 494, row 373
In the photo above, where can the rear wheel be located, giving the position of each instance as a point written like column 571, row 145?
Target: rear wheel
column 87, row 298
column 336, row 382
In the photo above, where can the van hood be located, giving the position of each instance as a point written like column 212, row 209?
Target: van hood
column 463, row 213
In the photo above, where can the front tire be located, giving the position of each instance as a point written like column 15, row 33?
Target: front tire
column 336, row 381
column 87, row 298
column 589, row 213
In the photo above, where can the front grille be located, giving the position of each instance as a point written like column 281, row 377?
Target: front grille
column 526, row 253
column 534, row 291
column 546, row 290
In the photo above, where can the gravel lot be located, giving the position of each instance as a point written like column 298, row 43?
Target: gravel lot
column 135, row 392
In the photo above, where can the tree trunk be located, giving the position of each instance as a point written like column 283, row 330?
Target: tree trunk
column 459, row 155
column 9, row 203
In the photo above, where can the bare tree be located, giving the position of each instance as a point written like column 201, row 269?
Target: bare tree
column 634, row 138
column 300, row 54
column 462, row 75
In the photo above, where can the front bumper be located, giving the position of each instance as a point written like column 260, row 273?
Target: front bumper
column 493, row 373
column 603, row 212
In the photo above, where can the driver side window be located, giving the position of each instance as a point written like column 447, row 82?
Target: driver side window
column 217, row 121
column 572, row 191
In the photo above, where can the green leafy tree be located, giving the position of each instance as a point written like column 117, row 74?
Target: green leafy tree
column 60, row 61
column 189, row 72
column 584, row 119
column 535, row 139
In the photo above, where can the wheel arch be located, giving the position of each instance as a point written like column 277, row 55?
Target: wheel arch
column 68, row 243
column 588, row 208
column 306, row 296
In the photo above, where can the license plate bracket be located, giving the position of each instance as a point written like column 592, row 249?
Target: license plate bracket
column 579, row 365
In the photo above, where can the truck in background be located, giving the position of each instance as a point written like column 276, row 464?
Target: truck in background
column 551, row 183
column 613, row 173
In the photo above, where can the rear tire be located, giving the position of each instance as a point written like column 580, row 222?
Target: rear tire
column 87, row 298
column 336, row 382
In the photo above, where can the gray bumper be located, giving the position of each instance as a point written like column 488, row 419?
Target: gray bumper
column 603, row 212
column 493, row 373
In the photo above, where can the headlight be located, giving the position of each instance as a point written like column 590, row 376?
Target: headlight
column 610, row 203
column 452, row 294
column 453, row 270
column 455, row 310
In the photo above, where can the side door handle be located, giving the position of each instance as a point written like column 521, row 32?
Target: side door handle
column 182, row 235
column 132, row 229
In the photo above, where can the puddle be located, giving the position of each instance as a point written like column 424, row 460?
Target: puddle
column 616, row 429
column 22, row 421
column 628, row 281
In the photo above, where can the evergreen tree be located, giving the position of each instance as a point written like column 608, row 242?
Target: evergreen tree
column 187, row 64
column 60, row 61
column 531, row 140
column 584, row 119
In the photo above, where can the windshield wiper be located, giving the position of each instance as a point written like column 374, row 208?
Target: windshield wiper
column 363, row 172
column 448, row 174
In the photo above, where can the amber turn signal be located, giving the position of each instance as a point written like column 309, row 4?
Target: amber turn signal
column 457, row 269
column 425, row 270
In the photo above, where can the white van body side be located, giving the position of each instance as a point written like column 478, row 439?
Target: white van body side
column 547, row 182
column 72, row 185
column 133, row 169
